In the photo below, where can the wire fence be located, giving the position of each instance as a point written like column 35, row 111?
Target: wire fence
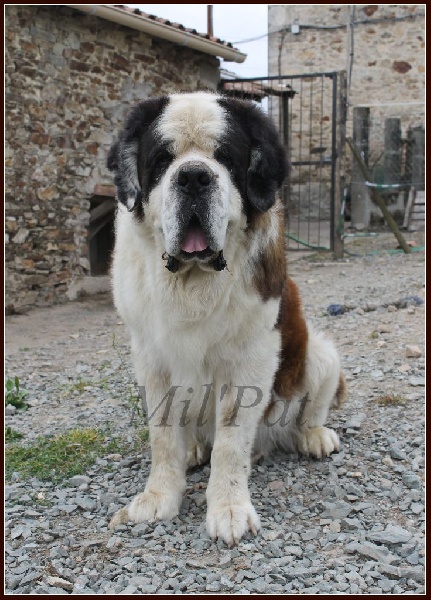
column 304, row 109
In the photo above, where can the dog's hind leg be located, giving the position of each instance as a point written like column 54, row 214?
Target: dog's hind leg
column 324, row 387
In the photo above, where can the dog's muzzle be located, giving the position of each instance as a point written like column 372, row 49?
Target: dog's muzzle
column 195, row 184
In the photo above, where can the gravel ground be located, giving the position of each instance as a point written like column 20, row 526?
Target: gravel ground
column 352, row 523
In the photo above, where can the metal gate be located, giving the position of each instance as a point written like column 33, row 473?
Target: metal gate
column 310, row 113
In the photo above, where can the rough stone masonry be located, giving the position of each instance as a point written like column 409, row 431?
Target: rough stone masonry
column 69, row 79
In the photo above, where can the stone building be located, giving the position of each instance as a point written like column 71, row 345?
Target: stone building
column 381, row 48
column 388, row 49
column 71, row 73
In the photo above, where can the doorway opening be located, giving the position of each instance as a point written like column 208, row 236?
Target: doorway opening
column 101, row 234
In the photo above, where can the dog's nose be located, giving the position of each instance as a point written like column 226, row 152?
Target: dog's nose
column 193, row 178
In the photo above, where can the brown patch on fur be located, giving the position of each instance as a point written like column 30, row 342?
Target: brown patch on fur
column 341, row 393
column 294, row 337
column 270, row 270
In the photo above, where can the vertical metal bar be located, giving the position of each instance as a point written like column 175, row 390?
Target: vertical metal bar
column 310, row 134
column 338, row 246
column 321, row 158
column 285, row 109
column 289, row 156
column 299, row 159
column 333, row 159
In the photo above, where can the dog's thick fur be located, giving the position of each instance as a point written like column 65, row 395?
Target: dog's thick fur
column 229, row 367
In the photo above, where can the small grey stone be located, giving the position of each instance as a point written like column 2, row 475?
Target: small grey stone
column 92, row 543
column 413, row 558
column 293, row 550
column 78, row 480
column 60, row 583
column 397, row 453
column 417, row 508
column 215, row 586
column 10, row 409
column 393, row 534
column 259, row 585
column 30, row 577
column 17, row 532
column 225, row 561
column 85, row 503
column 310, row 534
column 417, row 381
column 58, row 552
column 378, row 553
column 411, row 480
column 67, row 508
column 140, row 529
column 415, row 573
column 355, row 421
column 337, row 510
column 199, row 499
column 129, row 590
column 149, row 589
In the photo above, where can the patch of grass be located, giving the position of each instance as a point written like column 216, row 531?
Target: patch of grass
column 14, row 394
column 60, row 457
column 10, row 435
column 374, row 335
column 81, row 384
column 391, row 400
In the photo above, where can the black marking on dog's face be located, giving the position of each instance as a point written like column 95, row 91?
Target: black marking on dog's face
column 252, row 153
column 138, row 158
column 194, row 185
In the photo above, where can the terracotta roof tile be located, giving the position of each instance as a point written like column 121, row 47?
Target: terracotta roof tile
column 140, row 13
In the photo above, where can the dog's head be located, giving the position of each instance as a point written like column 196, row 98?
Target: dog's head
column 194, row 164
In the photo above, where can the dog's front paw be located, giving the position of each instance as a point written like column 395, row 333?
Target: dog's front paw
column 230, row 522
column 151, row 505
column 318, row 441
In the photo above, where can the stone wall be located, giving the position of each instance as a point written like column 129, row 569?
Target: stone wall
column 388, row 71
column 389, row 54
column 69, row 79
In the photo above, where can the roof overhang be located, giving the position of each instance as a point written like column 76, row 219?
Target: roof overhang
column 161, row 30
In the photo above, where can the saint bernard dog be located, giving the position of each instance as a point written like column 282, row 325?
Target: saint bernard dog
column 226, row 363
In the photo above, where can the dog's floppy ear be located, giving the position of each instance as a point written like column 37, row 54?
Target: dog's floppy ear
column 123, row 156
column 268, row 166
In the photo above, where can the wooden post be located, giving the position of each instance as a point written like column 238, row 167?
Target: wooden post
column 392, row 151
column 418, row 158
column 360, row 209
column 340, row 164
column 378, row 199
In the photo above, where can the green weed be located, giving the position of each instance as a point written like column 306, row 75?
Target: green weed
column 10, row 435
column 14, row 394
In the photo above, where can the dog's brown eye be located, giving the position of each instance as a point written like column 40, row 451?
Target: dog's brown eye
column 222, row 156
column 162, row 158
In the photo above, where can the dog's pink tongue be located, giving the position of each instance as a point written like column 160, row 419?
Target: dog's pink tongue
column 194, row 241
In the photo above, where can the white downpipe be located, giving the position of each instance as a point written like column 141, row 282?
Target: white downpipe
column 156, row 29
